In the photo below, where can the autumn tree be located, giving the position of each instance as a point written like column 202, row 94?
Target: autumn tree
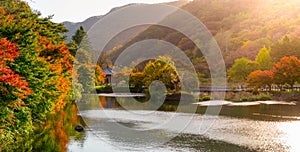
column 241, row 69
column 44, row 59
column 15, row 116
column 12, row 86
column 264, row 59
column 136, row 79
column 287, row 71
column 44, row 65
column 164, row 70
column 259, row 78
column 99, row 76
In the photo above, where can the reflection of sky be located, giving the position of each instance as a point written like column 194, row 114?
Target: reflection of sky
column 290, row 135
column 92, row 143
column 79, row 10
column 256, row 135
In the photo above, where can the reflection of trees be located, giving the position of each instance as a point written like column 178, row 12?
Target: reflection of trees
column 54, row 136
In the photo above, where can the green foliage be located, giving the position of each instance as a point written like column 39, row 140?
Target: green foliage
column 80, row 41
column 79, row 36
column 239, row 31
column 162, row 69
column 44, row 62
column 83, row 56
column 78, row 89
column 264, row 59
column 247, row 96
column 81, row 47
column 86, row 78
column 88, row 74
column 15, row 118
column 136, row 80
column 52, row 137
column 284, row 72
column 285, row 47
column 73, row 47
column 205, row 98
column 104, row 89
column 241, row 69
column 260, row 97
column 120, row 75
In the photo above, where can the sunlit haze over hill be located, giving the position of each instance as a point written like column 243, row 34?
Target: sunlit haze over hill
column 78, row 10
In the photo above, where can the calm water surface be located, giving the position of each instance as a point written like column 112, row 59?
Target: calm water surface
column 248, row 128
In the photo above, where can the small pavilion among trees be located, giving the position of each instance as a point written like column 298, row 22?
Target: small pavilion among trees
column 109, row 73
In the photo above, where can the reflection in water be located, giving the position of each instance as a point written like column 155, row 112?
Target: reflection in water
column 58, row 131
column 290, row 135
column 252, row 128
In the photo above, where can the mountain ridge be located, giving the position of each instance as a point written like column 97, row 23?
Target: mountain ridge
column 89, row 22
column 240, row 27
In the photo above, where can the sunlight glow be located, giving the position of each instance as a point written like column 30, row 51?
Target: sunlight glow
column 78, row 10
column 290, row 135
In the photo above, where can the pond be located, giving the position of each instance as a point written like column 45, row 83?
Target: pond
column 258, row 127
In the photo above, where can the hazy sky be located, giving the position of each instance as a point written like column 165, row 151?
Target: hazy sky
column 79, row 10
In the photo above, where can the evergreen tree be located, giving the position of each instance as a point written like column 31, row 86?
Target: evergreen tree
column 80, row 41
column 79, row 35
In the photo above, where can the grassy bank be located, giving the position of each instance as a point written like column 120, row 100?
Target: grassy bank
column 248, row 96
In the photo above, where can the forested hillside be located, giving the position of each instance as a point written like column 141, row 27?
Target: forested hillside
column 88, row 23
column 241, row 28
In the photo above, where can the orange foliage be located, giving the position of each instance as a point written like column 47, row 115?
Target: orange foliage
column 260, row 78
column 73, row 119
column 8, row 51
column 61, row 63
column 102, row 102
column 59, row 131
column 100, row 75
column 287, row 71
column 60, row 124
column 2, row 11
column 57, row 55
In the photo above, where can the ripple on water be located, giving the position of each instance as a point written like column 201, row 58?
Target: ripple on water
column 250, row 134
